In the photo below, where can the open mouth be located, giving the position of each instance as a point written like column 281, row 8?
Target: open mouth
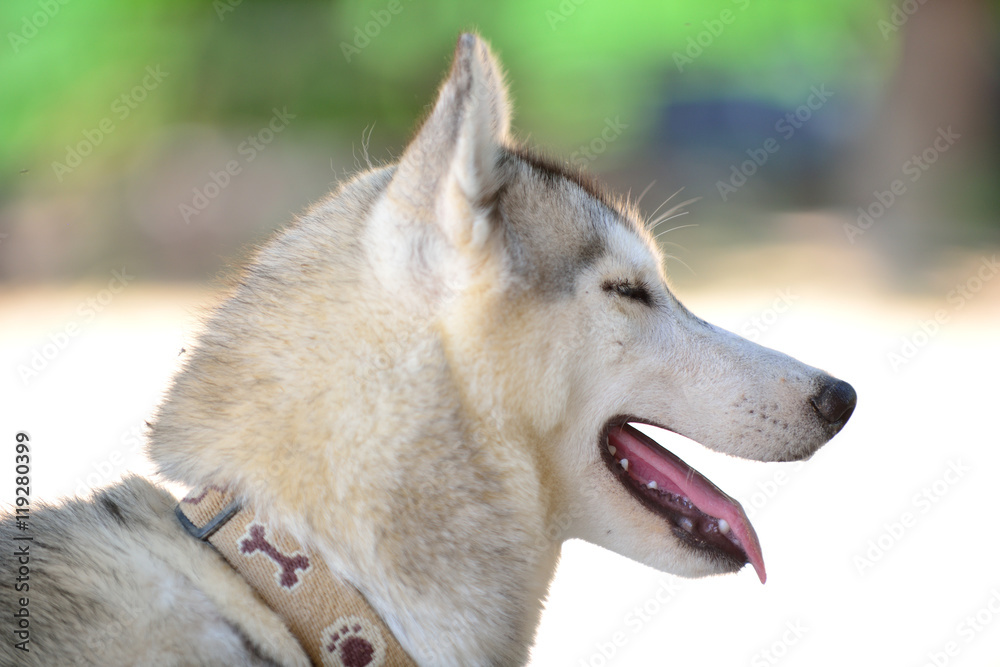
column 699, row 513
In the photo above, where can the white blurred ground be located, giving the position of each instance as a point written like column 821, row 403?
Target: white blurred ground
column 814, row 520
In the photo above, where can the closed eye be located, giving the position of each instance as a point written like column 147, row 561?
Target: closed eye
column 637, row 291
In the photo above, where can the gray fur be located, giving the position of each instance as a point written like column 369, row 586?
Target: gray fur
column 113, row 582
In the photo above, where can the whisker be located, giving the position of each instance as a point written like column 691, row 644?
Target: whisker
column 668, row 216
column 665, row 201
column 685, row 264
column 365, row 141
column 675, row 228
column 671, row 211
column 648, row 187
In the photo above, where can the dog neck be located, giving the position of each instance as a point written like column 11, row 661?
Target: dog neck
column 330, row 618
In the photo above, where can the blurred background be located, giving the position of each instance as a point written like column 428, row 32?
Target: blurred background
column 844, row 161
column 117, row 115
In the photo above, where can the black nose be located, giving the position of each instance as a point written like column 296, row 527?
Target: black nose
column 835, row 401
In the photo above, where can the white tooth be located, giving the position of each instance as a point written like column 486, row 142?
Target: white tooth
column 651, row 485
column 624, row 463
column 686, row 524
column 723, row 526
column 612, row 449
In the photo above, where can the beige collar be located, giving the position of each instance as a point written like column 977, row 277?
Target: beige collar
column 331, row 619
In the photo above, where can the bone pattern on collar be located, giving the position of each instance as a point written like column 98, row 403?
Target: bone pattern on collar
column 331, row 619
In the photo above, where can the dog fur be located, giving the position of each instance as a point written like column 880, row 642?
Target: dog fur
column 414, row 379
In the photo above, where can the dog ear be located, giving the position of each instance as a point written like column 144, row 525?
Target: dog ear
column 450, row 169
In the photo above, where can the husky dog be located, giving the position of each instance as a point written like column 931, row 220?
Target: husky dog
column 429, row 380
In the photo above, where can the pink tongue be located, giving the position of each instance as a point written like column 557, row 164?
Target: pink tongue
column 648, row 461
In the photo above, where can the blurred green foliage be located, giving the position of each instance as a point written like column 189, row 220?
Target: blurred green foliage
column 348, row 64
column 159, row 98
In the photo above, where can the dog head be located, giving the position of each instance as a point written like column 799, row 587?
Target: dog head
column 554, row 308
column 442, row 360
